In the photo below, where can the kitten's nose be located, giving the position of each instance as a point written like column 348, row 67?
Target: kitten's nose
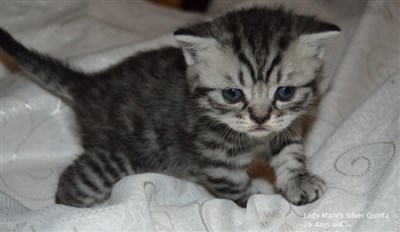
column 259, row 117
column 259, row 120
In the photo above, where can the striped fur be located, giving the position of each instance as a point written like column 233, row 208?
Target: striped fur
column 163, row 110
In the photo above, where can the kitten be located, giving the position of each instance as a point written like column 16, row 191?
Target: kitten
column 236, row 87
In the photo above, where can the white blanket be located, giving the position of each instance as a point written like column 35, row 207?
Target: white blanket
column 354, row 144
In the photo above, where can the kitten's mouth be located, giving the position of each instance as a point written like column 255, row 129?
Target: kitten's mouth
column 258, row 129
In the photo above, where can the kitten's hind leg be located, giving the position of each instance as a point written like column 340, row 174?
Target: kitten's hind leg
column 89, row 180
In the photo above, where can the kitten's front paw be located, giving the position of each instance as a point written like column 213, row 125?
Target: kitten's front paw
column 303, row 189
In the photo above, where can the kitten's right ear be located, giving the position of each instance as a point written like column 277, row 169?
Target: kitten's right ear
column 320, row 35
column 192, row 43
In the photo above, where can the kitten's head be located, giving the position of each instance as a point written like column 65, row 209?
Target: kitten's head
column 256, row 70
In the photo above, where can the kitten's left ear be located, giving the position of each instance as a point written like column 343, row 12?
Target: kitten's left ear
column 319, row 37
column 192, row 42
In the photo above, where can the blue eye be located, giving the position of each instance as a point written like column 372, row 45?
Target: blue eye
column 232, row 95
column 285, row 93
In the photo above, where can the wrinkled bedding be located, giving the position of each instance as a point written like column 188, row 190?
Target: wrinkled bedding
column 354, row 144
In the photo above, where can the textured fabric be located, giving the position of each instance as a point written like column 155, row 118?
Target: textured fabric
column 354, row 144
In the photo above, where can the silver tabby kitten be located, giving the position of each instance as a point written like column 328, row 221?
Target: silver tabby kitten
column 236, row 87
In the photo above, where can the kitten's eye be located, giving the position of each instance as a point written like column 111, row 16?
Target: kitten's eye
column 232, row 95
column 285, row 93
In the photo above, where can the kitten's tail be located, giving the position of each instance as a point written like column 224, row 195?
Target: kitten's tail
column 48, row 72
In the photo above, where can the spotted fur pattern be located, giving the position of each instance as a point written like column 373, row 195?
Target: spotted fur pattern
column 163, row 110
